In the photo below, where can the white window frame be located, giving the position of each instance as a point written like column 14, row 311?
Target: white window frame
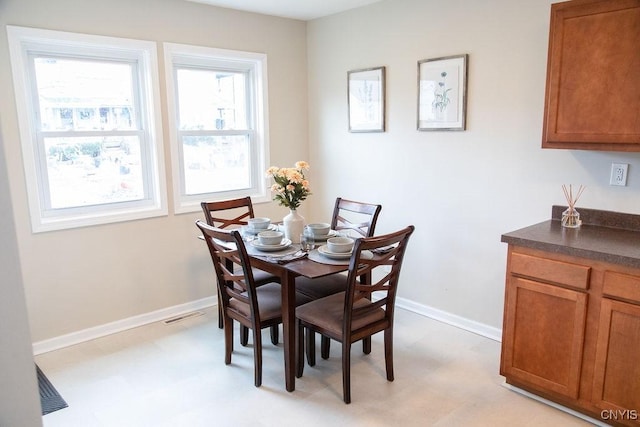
column 177, row 55
column 23, row 42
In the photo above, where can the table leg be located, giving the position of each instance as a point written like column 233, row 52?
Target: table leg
column 289, row 330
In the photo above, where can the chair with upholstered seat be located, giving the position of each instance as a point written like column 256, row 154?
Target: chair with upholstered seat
column 254, row 307
column 363, row 309
column 359, row 219
column 235, row 213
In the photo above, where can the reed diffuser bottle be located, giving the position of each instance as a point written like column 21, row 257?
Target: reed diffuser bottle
column 571, row 217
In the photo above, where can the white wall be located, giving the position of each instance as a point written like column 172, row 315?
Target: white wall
column 19, row 399
column 461, row 190
column 86, row 277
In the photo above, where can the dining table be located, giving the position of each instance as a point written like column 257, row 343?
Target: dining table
column 287, row 264
column 311, row 265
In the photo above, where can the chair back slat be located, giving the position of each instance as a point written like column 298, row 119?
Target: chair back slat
column 383, row 291
column 235, row 282
column 357, row 216
column 242, row 208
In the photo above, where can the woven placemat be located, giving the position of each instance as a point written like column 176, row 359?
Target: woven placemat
column 316, row 256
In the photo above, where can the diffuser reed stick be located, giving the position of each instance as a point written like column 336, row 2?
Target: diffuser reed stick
column 571, row 217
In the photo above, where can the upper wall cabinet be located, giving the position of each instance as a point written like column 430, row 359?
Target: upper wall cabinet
column 592, row 99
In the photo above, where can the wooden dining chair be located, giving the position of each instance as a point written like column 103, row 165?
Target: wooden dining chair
column 254, row 307
column 235, row 213
column 359, row 219
column 364, row 309
column 243, row 211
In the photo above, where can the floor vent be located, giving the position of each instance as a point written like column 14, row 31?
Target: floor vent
column 182, row 317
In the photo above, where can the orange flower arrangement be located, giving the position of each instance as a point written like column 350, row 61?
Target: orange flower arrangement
column 291, row 186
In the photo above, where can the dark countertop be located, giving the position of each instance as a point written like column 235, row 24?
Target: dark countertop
column 604, row 236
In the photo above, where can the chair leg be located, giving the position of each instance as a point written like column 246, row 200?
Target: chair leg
column 299, row 348
column 346, row 371
column 228, row 340
column 220, row 315
column 388, row 353
column 275, row 332
column 325, row 346
column 244, row 335
column 366, row 345
column 257, row 356
column 311, row 347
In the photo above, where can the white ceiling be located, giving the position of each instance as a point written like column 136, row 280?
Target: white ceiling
column 297, row 9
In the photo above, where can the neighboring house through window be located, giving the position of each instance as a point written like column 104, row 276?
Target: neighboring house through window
column 217, row 119
column 90, row 127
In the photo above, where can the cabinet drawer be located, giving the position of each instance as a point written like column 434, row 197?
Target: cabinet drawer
column 619, row 285
column 551, row 271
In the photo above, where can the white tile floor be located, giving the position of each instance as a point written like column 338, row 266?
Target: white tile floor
column 174, row 375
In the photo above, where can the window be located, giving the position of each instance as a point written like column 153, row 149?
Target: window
column 90, row 128
column 217, row 109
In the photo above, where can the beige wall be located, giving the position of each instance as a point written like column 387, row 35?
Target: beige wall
column 86, row 277
column 461, row 190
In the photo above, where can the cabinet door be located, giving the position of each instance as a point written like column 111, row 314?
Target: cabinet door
column 593, row 85
column 543, row 336
column 617, row 371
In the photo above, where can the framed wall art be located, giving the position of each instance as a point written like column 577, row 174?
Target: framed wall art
column 365, row 99
column 442, row 93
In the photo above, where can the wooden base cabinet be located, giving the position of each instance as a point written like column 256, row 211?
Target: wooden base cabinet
column 545, row 335
column 616, row 384
column 571, row 333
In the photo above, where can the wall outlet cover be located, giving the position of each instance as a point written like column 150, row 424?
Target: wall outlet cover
column 619, row 174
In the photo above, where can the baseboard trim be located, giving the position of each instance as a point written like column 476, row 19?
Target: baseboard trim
column 177, row 310
column 120, row 325
column 451, row 319
column 555, row 405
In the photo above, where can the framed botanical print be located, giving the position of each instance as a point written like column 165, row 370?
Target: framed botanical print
column 366, row 93
column 442, row 93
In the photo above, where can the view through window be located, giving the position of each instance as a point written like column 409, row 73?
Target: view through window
column 214, row 132
column 89, row 128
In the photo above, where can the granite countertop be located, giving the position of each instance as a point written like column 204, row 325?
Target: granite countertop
column 604, row 236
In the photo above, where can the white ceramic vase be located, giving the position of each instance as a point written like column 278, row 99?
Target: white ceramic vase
column 293, row 224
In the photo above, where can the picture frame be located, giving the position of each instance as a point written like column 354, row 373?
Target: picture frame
column 442, row 93
column 366, row 99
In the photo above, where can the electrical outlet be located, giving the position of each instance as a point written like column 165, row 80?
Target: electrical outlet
column 619, row 174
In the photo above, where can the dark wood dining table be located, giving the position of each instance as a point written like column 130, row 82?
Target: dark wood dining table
column 287, row 272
